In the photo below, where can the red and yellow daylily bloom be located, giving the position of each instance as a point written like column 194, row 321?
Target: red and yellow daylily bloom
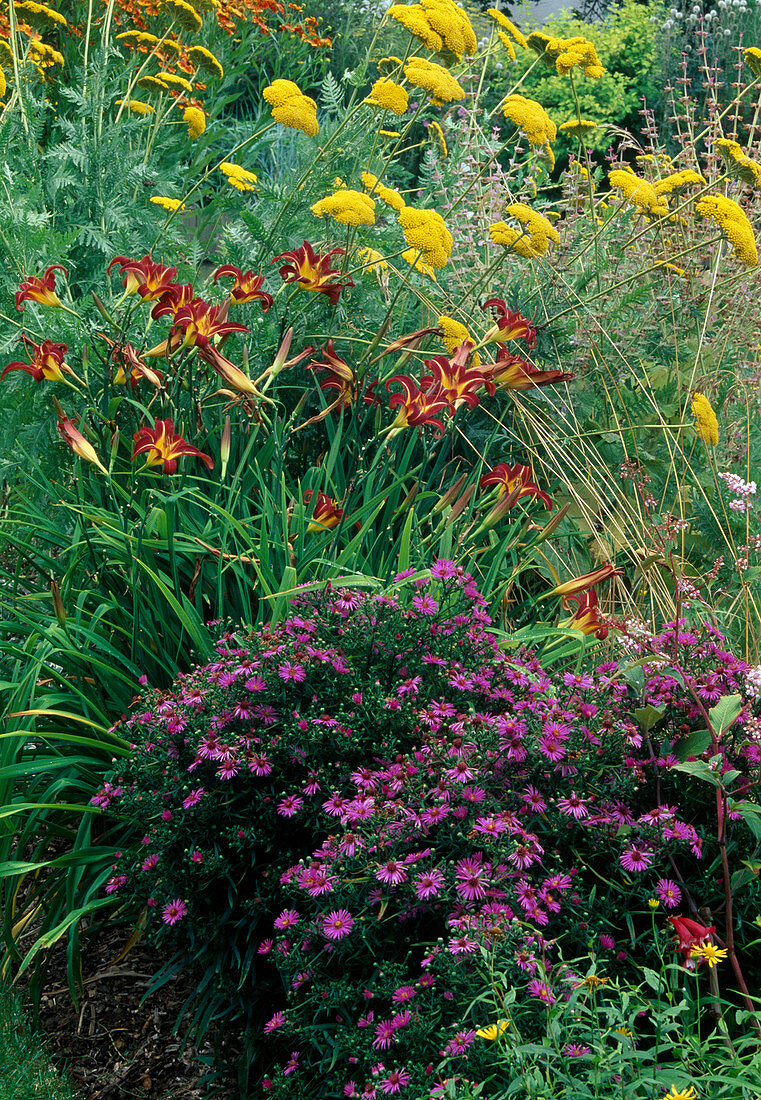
column 511, row 372
column 130, row 368
column 172, row 300
column 246, row 288
column 233, row 375
column 326, row 513
column 514, row 482
column 510, row 325
column 585, row 618
column 40, row 288
column 46, row 363
column 200, row 323
column 455, row 380
column 341, row 377
column 163, row 447
column 586, row 580
column 78, row 443
column 417, row 407
column 144, row 277
column 312, row 271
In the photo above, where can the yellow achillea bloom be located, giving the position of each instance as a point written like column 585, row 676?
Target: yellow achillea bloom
column 567, row 53
column 167, row 203
column 136, row 106
column 290, row 107
column 492, row 1031
column 347, row 207
column 434, row 79
column 389, row 133
column 414, row 259
column 3, row 84
column 239, row 178
column 677, row 181
column 42, row 54
column 185, row 15
column 437, row 133
column 371, row 259
column 706, row 424
column 6, row 55
column 733, row 223
column 389, row 96
column 413, row 18
column 638, row 192
column 752, row 58
column 205, row 61
column 34, row 13
column 454, row 334
column 534, row 236
column 426, row 231
column 530, row 118
column 509, row 34
column 739, row 164
column 451, row 22
column 387, row 65
column 175, row 81
column 578, row 127
column 385, row 194
column 196, row 121
column 152, row 84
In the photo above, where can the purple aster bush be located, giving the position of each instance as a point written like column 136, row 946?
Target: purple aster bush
column 349, row 814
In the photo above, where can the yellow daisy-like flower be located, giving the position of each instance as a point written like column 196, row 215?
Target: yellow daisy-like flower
column 168, row 204
column 593, row 982
column 414, row 19
column 390, row 96
column 733, row 223
column 452, row 23
column 654, row 903
column 578, row 127
column 706, row 424
column 347, row 207
column 706, row 951
column 385, row 194
column 196, row 121
column 567, row 53
column 185, row 15
column 205, row 61
column 371, row 259
column 175, row 81
column 39, row 14
column 290, row 107
column 530, row 118
column 136, row 106
column 492, row 1031
column 638, row 192
column 240, row 178
column 435, row 131
column 426, row 231
column 739, row 164
column 453, row 333
column 416, row 261
column 434, row 79
column 532, row 239
column 752, row 58
column 677, row 181
column 687, row 1093
column 152, row 84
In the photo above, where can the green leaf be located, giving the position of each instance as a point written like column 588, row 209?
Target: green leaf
column 724, row 713
column 649, row 716
column 694, row 745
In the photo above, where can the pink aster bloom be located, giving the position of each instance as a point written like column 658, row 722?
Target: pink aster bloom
column 337, row 925
column 426, row 605
column 395, row 1082
column 290, row 805
column 149, row 863
column 274, row 1022
column 174, row 911
column 573, row 806
column 292, row 673
column 385, row 1035
column 391, row 873
column 636, row 858
column 443, row 568
column 669, row 893
column 193, row 798
column 471, row 876
column 287, row 919
column 462, row 945
column 541, row 991
column 428, row 884
column 403, row 994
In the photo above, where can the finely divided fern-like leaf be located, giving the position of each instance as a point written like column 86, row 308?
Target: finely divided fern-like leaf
column 331, row 94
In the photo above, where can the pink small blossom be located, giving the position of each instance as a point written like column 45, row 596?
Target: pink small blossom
column 174, row 911
column 337, row 925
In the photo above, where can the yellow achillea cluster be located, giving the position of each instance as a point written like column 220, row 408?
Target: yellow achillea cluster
column 291, row 107
column 371, row 259
column 425, row 231
column 172, row 80
column 567, row 53
column 531, row 119
column 167, row 204
column 388, row 95
column 733, row 223
column 578, row 127
column 638, row 192
column 385, row 194
column 152, row 84
column 453, row 333
column 415, row 260
column 509, row 34
column 738, row 163
column 752, row 58
column 534, row 236
column 205, row 61
column 136, row 106
column 41, row 54
column 183, row 14
column 676, row 182
column 435, row 131
column 438, row 24
column 706, row 424
column 347, row 207
column 433, row 79
column 33, row 13
column 239, row 178
column 388, row 65
column 196, row 121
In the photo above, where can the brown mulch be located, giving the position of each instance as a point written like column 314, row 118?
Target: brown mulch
column 113, row 1045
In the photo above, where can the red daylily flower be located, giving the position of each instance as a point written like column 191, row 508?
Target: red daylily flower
column 690, row 934
column 510, row 325
column 455, row 380
column 172, row 300
column 585, row 617
column 199, row 323
column 78, row 443
column 515, row 482
column 586, row 580
column 40, row 288
column 45, row 361
column 130, row 368
column 143, row 277
column 312, row 271
column 163, row 447
column 512, row 372
column 417, row 406
column 326, row 513
column 246, row 288
column 341, row 377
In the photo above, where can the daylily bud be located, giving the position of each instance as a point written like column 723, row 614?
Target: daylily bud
column 445, row 500
column 586, row 581
column 58, row 607
column 552, row 526
column 79, row 444
column 224, row 450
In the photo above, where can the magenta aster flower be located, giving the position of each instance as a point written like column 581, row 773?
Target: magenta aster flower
column 403, row 994
column 443, row 568
column 668, row 892
column 428, row 884
column 541, row 991
column 391, row 873
column 287, row 919
column 385, row 1035
column 636, row 858
column 274, row 1022
column 462, row 945
column 338, row 924
column 426, row 605
column 471, row 876
column 395, row 1082
column 292, row 673
column 290, row 805
column 174, row 911
column 576, row 1050
column 573, row 806
column 193, row 798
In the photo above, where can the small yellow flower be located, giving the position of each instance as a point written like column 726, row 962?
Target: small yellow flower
column 578, row 127
column 509, row 34
column 706, row 424
column 530, row 118
column 654, row 903
column 346, row 207
column 624, row 1032
column 205, row 61
column 371, row 259
column 593, row 982
column 167, row 203
column 388, row 195
column 388, row 95
column 687, row 1093
column 387, row 65
column 710, row 954
column 567, row 53
column 453, row 334
column 451, row 21
column 733, row 223
column 738, row 163
column 492, row 1031
column 290, row 107
column 639, row 192
column 434, row 79
column 39, row 14
column 426, row 231
column 175, row 81
column 752, row 58
column 183, row 14
column 677, row 181
column 196, row 121
column 533, row 237
column 389, row 133
column 238, row 177
column 136, row 106
column 42, row 54
column 152, row 84
column 414, row 259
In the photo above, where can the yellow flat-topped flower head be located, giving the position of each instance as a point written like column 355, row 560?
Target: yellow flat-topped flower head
column 452, row 23
column 415, row 260
column 434, row 79
column 533, row 236
column 530, row 118
column 136, row 106
column 290, row 107
column 501, row 19
column 371, row 259
column 196, row 121
column 347, row 207
column 183, row 14
column 426, row 231
column 167, row 204
column 435, row 131
column 388, row 95
column 639, row 192
column 677, row 181
column 172, row 80
column 706, row 424
column 39, row 15
column 565, row 54
column 731, row 219
column 388, row 195
column 205, row 61
column 239, row 178
column 578, row 127
column 414, row 19
column 752, row 58
column 738, row 163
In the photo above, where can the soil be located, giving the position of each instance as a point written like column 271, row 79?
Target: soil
column 116, row 1044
